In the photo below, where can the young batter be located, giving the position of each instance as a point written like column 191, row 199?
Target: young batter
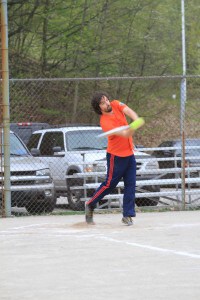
column 120, row 156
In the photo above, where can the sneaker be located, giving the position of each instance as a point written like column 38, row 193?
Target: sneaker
column 127, row 221
column 89, row 214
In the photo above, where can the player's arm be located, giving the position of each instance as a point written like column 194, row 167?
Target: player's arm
column 132, row 115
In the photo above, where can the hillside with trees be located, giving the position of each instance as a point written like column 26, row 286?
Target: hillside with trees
column 103, row 39
column 90, row 38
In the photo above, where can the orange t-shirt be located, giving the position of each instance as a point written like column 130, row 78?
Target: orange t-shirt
column 117, row 145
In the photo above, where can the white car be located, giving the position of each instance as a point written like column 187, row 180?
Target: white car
column 32, row 186
column 70, row 150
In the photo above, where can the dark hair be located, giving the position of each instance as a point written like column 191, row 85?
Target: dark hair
column 96, row 99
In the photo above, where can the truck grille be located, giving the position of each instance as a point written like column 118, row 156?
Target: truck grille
column 28, row 182
column 23, row 173
column 22, row 180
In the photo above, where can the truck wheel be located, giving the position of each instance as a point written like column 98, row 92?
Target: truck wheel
column 74, row 196
column 151, row 201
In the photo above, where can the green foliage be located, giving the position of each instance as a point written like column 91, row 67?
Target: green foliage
column 90, row 38
column 104, row 38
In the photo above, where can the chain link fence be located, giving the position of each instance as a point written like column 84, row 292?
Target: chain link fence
column 55, row 120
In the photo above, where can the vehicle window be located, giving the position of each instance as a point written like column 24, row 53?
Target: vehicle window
column 85, row 140
column 16, row 146
column 25, row 129
column 34, row 140
column 193, row 143
column 177, row 151
column 23, row 132
column 167, row 144
column 177, row 144
column 50, row 140
column 191, row 152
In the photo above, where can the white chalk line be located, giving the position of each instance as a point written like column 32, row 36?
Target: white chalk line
column 182, row 253
column 166, row 226
column 38, row 227
column 183, row 225
column 59, row 233
column 30, row 225
column 144, row 246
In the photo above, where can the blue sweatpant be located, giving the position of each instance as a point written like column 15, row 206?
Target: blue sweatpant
column 118, row 168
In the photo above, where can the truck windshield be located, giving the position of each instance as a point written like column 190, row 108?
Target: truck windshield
column 16, row 146
column 85, row 140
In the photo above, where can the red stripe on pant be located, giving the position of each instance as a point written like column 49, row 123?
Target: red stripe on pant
column 110, row 174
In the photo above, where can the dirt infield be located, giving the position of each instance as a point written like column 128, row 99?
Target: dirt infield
column 61, row 257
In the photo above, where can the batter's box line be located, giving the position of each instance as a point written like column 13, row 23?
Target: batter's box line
column 153, row 248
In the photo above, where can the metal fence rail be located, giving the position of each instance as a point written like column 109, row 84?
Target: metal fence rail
column 55, row 103
column 174, row 183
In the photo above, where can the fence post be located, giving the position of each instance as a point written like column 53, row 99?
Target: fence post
column 182, row 117
column 183, row 100
column 6, row 113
